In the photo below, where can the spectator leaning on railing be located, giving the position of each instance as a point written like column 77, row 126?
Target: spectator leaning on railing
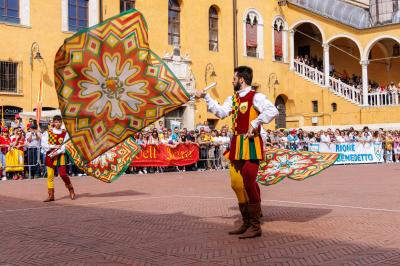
column 353, row 80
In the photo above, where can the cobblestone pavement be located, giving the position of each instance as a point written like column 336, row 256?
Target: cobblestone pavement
column 348, row 215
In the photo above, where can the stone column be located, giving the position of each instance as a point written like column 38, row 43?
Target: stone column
column 291, row 32
column 364, row 66
column 189, row 115
column 326, row 63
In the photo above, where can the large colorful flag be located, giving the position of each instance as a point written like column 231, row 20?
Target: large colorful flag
column 296, row 165
column 111, row 85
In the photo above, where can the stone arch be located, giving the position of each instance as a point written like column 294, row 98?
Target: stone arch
column 300, row 22
column 346, row 36
column 372, row 43
column 345, row 45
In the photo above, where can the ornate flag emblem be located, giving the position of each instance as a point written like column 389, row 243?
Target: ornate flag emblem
column 111, row 85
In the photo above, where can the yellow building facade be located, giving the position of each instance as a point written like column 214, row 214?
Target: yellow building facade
column 306, row 96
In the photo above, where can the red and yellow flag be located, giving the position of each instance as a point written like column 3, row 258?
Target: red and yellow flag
column 110, row 84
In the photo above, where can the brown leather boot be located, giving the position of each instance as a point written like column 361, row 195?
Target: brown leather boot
column 255, row 225
column 51, row 195
column 71, row 191
column 69, row 186
column 245, row 217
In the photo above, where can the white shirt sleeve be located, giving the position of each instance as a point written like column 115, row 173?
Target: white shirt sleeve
column 45, row 142
column 62, row 148
column 264, row 135
column 267, row 110
column 221, row 111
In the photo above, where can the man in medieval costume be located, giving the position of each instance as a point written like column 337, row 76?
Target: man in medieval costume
column 249, row 110
column 53, row 144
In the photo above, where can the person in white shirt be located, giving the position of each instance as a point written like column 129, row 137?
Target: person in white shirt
column 325, row 137
column 249, row 110
column 33, row 140
column 224, row 141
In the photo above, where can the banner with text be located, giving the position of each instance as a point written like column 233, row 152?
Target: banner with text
column 352, row 153
column 165, row 155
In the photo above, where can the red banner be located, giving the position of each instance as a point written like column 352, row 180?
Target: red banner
column 165, row 155
column 278, row 43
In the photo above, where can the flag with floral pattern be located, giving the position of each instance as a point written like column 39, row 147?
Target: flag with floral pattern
column 296, row 165
column 110, row 84
column 110, row 165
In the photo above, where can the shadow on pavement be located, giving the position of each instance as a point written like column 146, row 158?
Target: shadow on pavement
column 83, row 235
column 123, row 193
column 288, row 214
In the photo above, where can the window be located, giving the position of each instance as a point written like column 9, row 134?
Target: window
column 9, row 11
column 253, row 44
column 8, row 76
column 78, row 14
column 125, row 5
column 251, row 36
column 174, row 22
column 334, row 107
column 279, row 26
column 213, row 29
column 315, row 106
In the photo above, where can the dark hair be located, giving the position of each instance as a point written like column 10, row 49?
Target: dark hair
column 57, row 118
column 245, row 73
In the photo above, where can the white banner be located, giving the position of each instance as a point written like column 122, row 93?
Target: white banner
column 353, row 152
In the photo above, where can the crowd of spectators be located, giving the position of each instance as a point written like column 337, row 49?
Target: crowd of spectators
column 25, row 145
column 21, row 153
column 313, row 62
column 351, row 80
column 300, row 139
column 213, row 143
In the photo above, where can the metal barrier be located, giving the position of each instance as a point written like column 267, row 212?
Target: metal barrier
column 30, row 164
column 210, row 158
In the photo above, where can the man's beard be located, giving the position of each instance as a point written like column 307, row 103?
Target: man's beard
column 237, row 87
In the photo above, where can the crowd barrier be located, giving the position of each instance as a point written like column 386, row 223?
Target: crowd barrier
column 208, row 157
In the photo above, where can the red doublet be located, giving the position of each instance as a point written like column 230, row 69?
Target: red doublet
column 243, row 113
column 56, row 139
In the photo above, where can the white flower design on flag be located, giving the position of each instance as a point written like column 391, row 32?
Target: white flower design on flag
column 105, row 159
column 286, row 164
column 112, row 86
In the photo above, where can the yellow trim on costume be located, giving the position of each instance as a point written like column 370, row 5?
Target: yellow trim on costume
column 257, row 142
column 237, row 152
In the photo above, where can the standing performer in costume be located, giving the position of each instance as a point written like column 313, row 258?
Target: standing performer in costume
column 52, row 143
column 249, row 110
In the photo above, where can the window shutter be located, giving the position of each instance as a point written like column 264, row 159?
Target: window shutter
column 251, row 35
column 278, row 43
